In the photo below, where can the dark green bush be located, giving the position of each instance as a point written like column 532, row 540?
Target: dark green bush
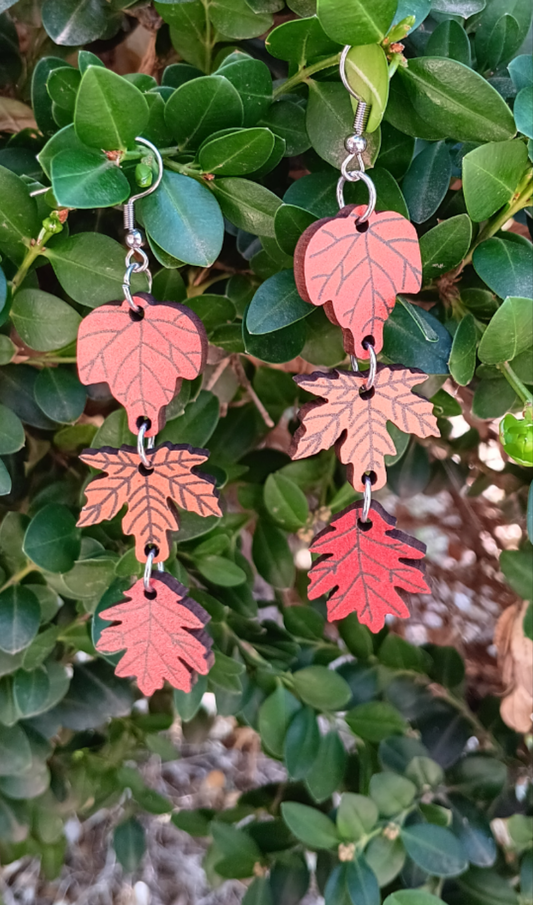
column 396, row 785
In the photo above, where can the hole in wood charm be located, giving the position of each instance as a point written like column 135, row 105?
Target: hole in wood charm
column 365, row 565
column 161, row 633
column 357, row 275
column 356, row 423
column 150, row 493
column 142, row 355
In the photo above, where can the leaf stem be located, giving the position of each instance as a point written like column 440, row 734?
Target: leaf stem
column 32, row 253
column 303, row 74
column 521, row 199
column 513, row 379
column 18, row 576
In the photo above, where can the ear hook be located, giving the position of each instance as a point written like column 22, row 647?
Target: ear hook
column 134, row 237
column 363, row 108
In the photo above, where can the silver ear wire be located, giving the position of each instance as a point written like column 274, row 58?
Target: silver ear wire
column 134, row 237
column 355, row 145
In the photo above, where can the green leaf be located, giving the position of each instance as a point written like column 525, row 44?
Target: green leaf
column 129, row 843
column 200, row 107
column 357, row 815
column 487, row 887
column 385, row 857
column 220, row 571
column 240, row 853
column 404, row 343
column 62, row 86
column 19, row 221
column 15, row 751
column 237, row 153
column 462, row 362
column 504, row 267
column 491, row 174
column 86, row 179
column 20, row 615
column 258, row 893
column 309, row 825
column 302, row 742
column 517, row 568
column 184, row 219
column 290, row 222
column 197, row 423
column 397, row 653
column 274, row 717
column 286, row 119
column 530, row 514
column 502, row 28
column 52, row 540
column 188, row 703
column 253, row 82
column 285, row 502
column 110, row 111
column 40, row 99
column 43, row 321
column 329, row 120
column 6, row 483
column 272, row 556
column 75, row 21
column 448, row 668
column 276, row 304
column 509, row 332
column 60, row 395
column 434, row 849
column 247, row 205
column 328, row 770
column 361, row 882
column 300, row 41
column 65, row 139
column 396, row 150
column 12, row 436
column 391, row 793
column 90, row 268
column 456, row 101
column 235, row 19
column 450, row 40
column 426, row 181
column 521, row 71
column 473, row 831
column 412, row 897
column 375, row 721
column 356, row 637
column 368, row 74
column 444, row 247
column 493, row 398
column 31, row 691
column 321, row 688
column 354, row 21
column 523, row 111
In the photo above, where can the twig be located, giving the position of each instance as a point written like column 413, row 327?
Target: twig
column 240, row 373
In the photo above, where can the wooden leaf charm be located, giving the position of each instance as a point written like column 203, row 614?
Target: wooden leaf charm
column 148, row 492
column 142, row 356
column 364, row 565
column 357, row 271
column 356, row 422
column 161, row 633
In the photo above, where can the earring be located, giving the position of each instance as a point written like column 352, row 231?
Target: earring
column 354, row 264
column 143, row 349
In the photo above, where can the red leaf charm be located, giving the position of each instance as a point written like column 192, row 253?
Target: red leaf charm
column 357, row 424
column 148, row 492
column 142, row 356
column 364, row 565
column 356, row 272
column 162, row 635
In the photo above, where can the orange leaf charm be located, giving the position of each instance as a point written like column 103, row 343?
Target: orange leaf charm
column 148, row 492
column 356, row 422
column 141, row 355
column 356, row 271
column 161, row 632
column 364, row 564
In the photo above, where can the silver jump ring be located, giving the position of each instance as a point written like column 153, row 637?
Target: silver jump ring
column 140, row 445
column 148, row 569
column 367, row 502
column 373, row 366
column 355, row 176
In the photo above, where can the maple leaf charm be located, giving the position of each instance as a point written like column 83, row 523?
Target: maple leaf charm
column 148, row 492
column 357, row 423
column 161, row 633
column 142, row 356
column 364, row 565
column 356, row 272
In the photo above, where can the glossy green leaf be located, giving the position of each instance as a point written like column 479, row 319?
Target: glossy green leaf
column 463, row 355
column 411, row 897
column 328, row 770
column 274, row 717
column 493, row 398
column 184, row 219
column 235, row 19
column 253, row 82
column 276, row 304
column 200, row 107
column 357, row 815
column 504, row 266
column 196, row 425
column 15, row 751
column 523, row 111
column 391, row 793
column 75, row 21
column 509, row 332
column 434, row 849
column 396, row 150
column 62, row 86
column 300, row 40
column 329, row 120
column 18, row 216
column 20, row 615
column 285, row 502
column 31, row 691
column 6, row 483
column 60, row 394
column 309, row 825
column 237, row 153
column 247, row 205
column 321, row 688
column 375, row 721
column 287, row 119
column 12, row 436
column 110, row 111
column 129, row 843
column 43, row 321
column 405, row 343
column 367, row 73
column 302, row 741
column 354, row 22
column 385, row 857
column 450, row 40
column 473, row 830
column 426, row 181
column 518, row 570
column 487, row 887
column 87, row 179
column 272, row 556
column 444, row 247
column 40, row 99
column 491, row 174
column 52, row 540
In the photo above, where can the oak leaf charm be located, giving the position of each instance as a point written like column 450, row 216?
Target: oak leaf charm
column 148, row 492
column 142, row 356
column 356, row 271
column 365, row 565
column 356, row 422
column 162, row 635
